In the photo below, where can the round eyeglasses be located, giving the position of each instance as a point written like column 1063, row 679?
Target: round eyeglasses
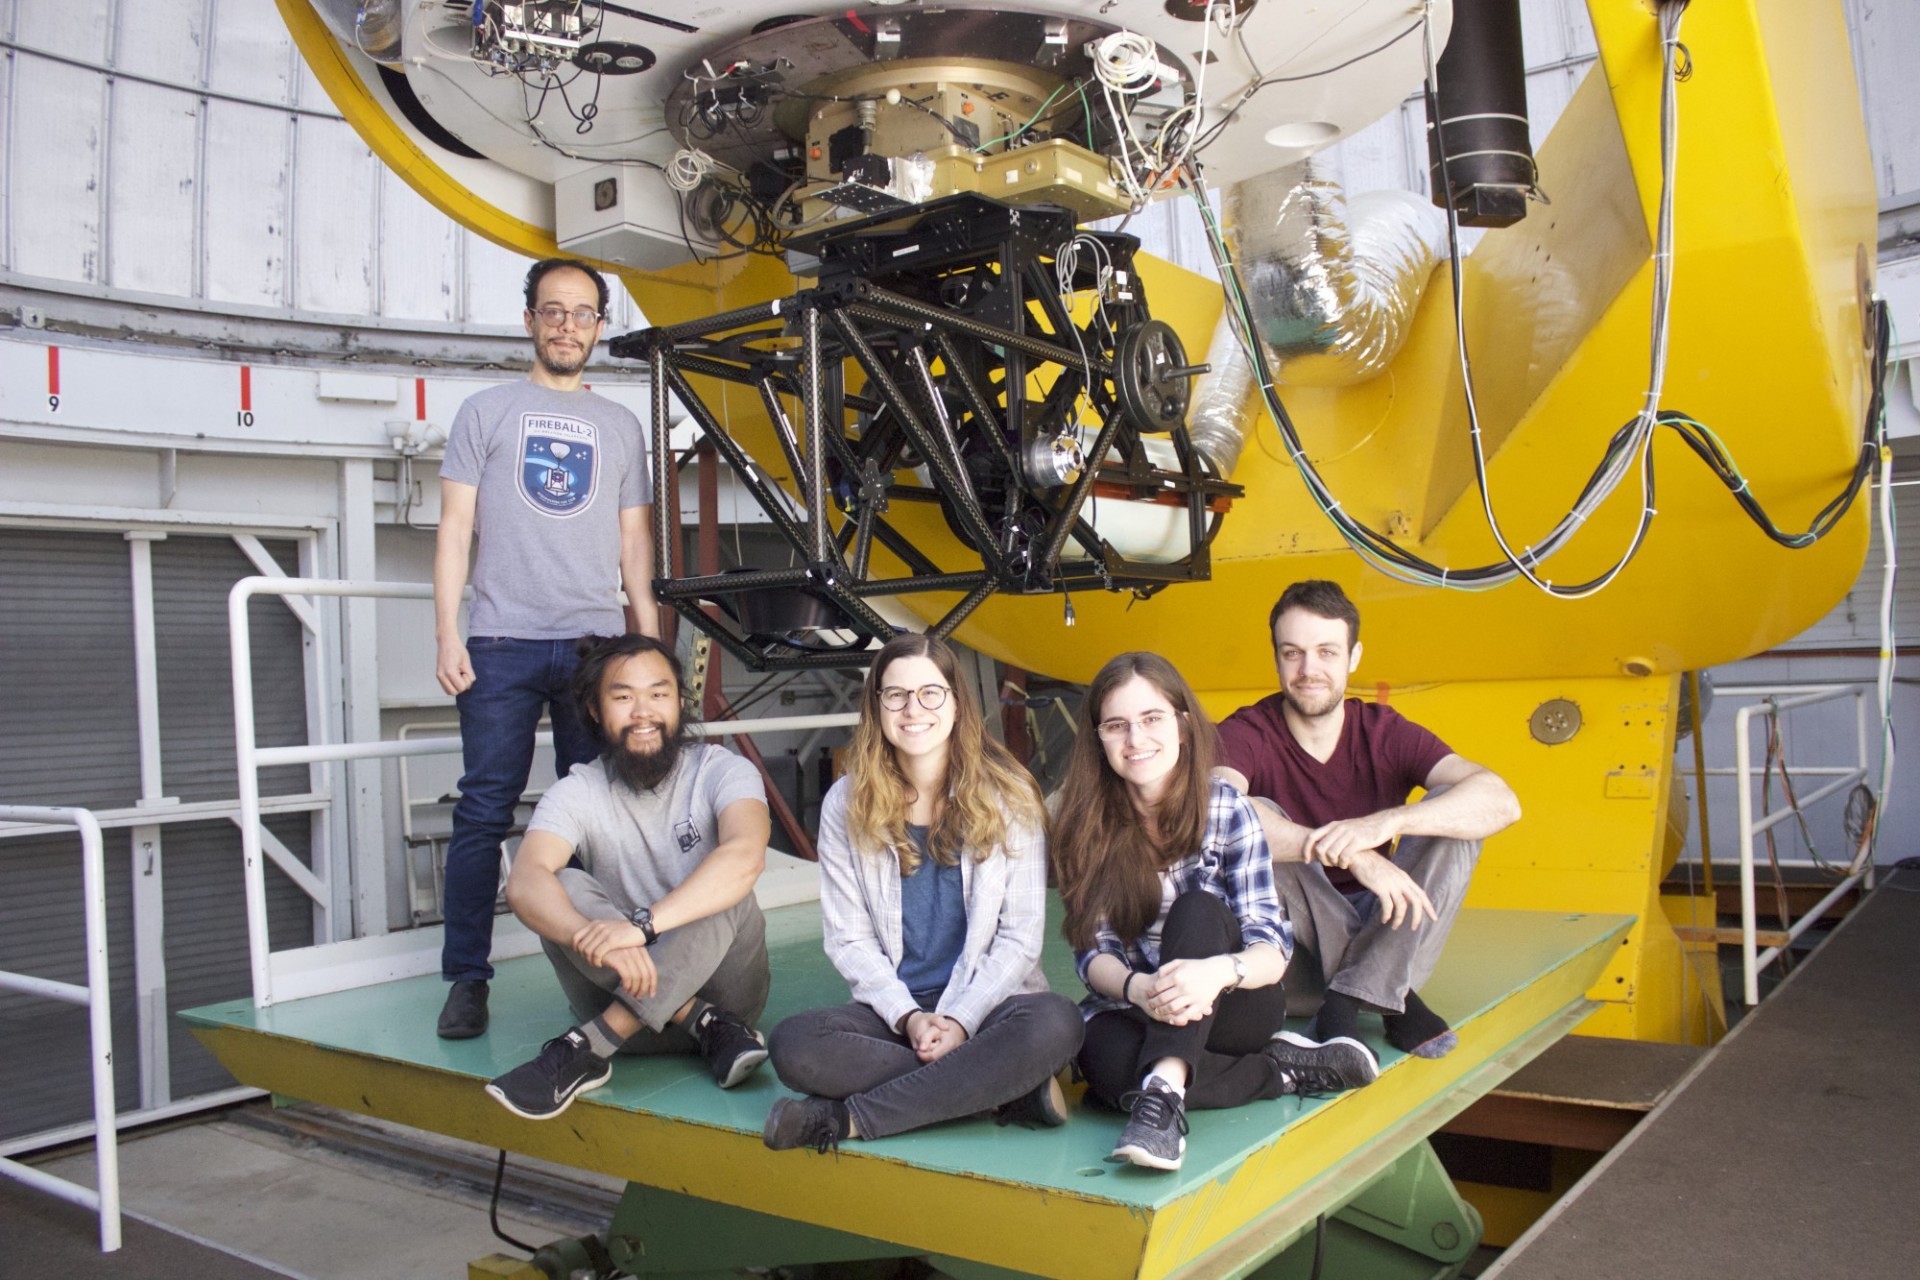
column 553, row 315
column 1117, row 729
column 930, row 696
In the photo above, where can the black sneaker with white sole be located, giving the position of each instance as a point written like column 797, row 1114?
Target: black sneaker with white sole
column 1155, row 1136
column 1042, row 1107
column 544, row 1087
column 731, row 1047
column 1315, row 1066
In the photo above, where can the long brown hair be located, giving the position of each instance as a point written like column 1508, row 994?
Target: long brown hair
column 987, row 790
column 1105, row 856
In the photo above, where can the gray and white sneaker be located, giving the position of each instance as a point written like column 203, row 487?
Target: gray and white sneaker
column 1315, row 1066
column 1155, row 1136
column 544, row 1087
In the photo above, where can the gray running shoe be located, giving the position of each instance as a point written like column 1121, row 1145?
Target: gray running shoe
column 1313, row 1066
column 546, row 1086
column 819, row 1123
column 1155, row 1136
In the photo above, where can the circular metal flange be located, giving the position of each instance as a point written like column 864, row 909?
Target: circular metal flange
column 613, row 58
column 1555, row 721
column 1149, row 373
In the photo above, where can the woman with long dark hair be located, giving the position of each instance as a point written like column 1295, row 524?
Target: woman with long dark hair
column 933, row 880
column 1172, row 914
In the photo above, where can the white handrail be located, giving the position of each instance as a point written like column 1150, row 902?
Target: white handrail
column 104, row 1195
column 250, row 758
column 1752, row 959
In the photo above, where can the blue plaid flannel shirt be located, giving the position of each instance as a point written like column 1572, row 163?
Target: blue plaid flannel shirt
column 1234, row 865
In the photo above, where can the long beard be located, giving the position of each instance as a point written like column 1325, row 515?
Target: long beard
column 643, row 771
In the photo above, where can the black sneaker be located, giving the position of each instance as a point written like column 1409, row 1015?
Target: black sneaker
column 820, row 1123
column 1155, row 1134
column 543, row 1088
column 731, row 1047
column 464, row 1015
column 1042, row 1107
column 1311, row 1066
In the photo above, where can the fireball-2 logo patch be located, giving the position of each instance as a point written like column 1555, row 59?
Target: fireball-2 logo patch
column 559, row 463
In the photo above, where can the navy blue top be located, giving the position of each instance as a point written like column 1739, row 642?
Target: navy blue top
column 933, row 923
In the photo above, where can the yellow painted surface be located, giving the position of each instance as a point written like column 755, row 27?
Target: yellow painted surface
column 1775, row 220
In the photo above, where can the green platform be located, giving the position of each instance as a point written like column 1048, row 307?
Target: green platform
column 1043, row 1203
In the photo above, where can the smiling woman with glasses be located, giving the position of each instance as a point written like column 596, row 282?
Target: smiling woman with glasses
column 1171, row 910
column 933, row 886
column 931, row 697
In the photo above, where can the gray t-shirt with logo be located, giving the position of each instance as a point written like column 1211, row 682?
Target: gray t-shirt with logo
column 554, row 470
column 642, row 844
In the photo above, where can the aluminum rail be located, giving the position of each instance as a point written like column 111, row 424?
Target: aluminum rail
column 1752, row 959
column 250, row 758
column 104, row 1196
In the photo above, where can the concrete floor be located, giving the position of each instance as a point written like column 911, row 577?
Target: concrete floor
column 305, row 1209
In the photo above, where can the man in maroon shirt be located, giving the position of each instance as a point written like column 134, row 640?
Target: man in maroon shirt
column 1330, row 776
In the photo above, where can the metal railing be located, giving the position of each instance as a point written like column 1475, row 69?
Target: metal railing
column 354, row 962
column 104, row 1196
column 1775, row 700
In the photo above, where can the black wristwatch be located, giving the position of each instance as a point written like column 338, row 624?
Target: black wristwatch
column 642, row 919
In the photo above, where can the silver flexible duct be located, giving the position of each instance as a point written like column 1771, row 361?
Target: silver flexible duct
column 1333, row 284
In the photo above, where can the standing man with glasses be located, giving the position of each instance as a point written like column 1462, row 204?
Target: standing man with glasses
column 556, row 482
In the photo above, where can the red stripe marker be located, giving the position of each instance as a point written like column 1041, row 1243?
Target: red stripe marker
column 420, row 400
column 53, row 371
column 246, row 389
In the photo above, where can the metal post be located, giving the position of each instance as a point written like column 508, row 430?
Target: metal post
column 1743, row 768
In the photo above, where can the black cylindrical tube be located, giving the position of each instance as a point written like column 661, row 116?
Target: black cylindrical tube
column 1481, row 92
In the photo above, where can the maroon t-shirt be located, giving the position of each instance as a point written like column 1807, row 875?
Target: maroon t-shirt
column 1380, row 758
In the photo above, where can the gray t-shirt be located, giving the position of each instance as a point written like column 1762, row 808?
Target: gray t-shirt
column 642, row 844
column 554, row 470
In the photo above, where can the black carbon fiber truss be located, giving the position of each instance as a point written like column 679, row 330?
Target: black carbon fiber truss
column 936, row 314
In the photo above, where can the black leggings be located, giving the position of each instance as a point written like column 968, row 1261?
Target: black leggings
column 1222, row 1051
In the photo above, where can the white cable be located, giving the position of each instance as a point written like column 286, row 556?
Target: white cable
column 1884, row 683
column 689, row 168
column 1128, row 62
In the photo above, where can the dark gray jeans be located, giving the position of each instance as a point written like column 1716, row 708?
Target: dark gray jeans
column 722, row 959
column 850, row 1054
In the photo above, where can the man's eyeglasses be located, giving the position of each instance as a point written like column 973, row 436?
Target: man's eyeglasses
column 553, row 315
column 1115, row 730
column 930, row 696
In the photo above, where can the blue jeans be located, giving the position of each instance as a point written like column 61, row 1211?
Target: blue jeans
column 514, row 682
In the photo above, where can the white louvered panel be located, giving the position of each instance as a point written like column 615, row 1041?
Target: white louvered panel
column 54, row 203
column 1854, row 623
column 334, row 184
column 246, row 205
column 72, row 28
column 152, row 189
column 163, row 41
column 494, row 278
column 418, row 251
column 252, row 54
column 1886, row 46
